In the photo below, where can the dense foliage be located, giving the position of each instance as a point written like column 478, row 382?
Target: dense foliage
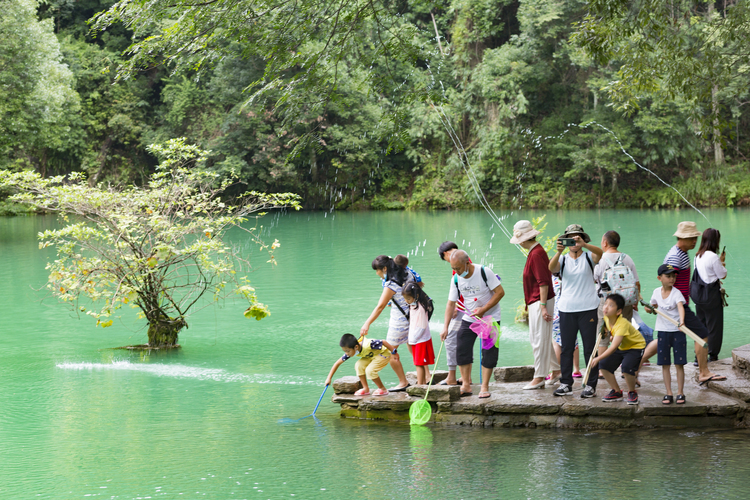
column 159, row 248
column 363, row 104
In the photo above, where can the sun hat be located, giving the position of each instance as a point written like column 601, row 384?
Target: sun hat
column 687, row 229
column 576, row 229
column 523, row 231
column 667, row 269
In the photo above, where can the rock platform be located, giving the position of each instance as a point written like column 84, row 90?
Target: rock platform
column 721, row 404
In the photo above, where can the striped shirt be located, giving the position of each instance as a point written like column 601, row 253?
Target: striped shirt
column 680, row 260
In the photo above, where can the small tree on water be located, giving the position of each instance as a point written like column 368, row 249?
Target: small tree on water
column 158, row 248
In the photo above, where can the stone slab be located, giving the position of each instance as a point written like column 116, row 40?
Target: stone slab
column 717, row 404
column 349, row 399
column 399, row 401
column 514, row 373
column 437, row 392
column 347, row 385
column 522, row 403
column 466, row 405
column 596, row 407
column 437, row 377
column 737, row 384
column 741, row 358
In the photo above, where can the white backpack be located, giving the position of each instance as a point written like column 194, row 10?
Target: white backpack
column 618, row 278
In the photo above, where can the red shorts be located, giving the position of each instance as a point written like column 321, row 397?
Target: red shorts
column 423, row 353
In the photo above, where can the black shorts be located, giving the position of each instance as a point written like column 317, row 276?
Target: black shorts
column 465, row 349
column 630, row 361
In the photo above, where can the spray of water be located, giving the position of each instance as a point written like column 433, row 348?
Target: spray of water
column 190, row 372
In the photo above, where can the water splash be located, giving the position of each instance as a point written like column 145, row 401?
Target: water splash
column 473, row 181
column 191, row 372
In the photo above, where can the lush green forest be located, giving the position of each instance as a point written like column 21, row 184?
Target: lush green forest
column 519, row 86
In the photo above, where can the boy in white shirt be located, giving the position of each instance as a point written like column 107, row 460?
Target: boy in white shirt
column 671, row 302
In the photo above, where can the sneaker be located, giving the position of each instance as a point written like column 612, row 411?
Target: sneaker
column 632, row 398
column 588, row 392
column 563, row 390
column 613, row 396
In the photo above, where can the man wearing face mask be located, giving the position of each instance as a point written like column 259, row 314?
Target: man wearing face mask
column 481, row 291
column 578, row 304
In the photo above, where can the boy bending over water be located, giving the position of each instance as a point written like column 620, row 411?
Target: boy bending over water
column 626, row 349
column 373, row 356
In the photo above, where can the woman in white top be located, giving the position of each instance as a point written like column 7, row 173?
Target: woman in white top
column 578, row 305
column 711, row 268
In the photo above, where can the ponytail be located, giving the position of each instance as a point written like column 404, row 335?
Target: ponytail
column 393, row 271
column 412, row 289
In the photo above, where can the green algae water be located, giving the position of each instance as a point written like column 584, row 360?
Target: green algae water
column 81, row 420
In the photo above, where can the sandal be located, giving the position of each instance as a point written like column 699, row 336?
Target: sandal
column 380, row 392
column 668, row 400
column 400, row 389
column 362, row 392
column 680, row 399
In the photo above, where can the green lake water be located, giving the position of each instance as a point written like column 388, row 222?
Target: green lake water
column 80, row 420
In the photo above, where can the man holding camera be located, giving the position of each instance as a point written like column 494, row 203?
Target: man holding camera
column 578, row 304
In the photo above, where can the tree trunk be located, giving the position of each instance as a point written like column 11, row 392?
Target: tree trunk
column 102, row 159
column 718, row 151
column 162, row 331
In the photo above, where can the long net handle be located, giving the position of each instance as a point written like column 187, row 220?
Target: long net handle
column 433, row 371
column 319, row 400
column 602, row 332
column 463, row 309
column 687, row 331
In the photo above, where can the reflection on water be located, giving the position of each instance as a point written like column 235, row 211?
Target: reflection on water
column 79, row 420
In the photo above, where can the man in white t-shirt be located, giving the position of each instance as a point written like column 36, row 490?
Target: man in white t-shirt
column 481, row 291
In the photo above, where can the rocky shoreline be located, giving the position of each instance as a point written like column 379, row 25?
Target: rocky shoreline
column 721, row 404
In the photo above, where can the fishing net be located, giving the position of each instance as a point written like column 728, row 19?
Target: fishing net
column 420, row 412
column 487, row 330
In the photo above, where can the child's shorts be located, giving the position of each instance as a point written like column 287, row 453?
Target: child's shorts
column 630, row 361
column 371, row 366
column 423, row 353
column 668, row 341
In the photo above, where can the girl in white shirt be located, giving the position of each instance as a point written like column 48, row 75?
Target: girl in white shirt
column 420, row 339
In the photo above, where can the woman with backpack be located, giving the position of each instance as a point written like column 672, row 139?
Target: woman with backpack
column 711, row 268
column 578, row 303
column 395, row 278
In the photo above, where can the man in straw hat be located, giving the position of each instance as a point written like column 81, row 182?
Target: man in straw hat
column 540, row 301
column 578, row 305
column 687, row 236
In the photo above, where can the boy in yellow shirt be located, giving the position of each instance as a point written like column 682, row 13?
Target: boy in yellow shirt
column 626, row 349
column 373, row 356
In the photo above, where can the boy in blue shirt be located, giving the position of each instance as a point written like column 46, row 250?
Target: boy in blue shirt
column 373, row 356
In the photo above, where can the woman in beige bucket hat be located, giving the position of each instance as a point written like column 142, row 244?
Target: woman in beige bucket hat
column 540, row 301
